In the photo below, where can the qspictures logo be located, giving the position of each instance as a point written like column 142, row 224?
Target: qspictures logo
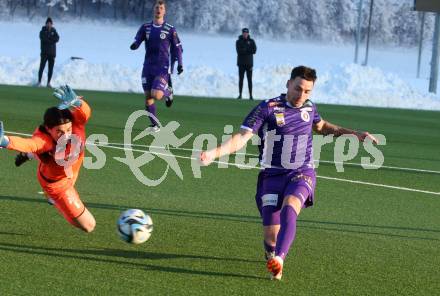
column 164, row 141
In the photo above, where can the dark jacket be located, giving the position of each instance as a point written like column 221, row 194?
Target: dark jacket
column 246, row 49
column 48, row 41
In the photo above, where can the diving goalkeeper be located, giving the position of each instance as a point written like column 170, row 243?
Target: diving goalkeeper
column 58, row 144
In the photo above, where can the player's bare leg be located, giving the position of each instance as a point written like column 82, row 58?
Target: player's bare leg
column 294, row 202
column 157, row 94
column 165, row 93
column 69, row 204
column 86, row 221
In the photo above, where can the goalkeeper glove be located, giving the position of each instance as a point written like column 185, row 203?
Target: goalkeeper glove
column 4, row 140
column 134, row 46
column 21, row 158
column 67, row 97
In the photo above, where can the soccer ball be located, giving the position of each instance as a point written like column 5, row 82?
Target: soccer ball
column 134, row 226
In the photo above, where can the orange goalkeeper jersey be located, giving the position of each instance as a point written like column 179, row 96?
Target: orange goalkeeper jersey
column 43, row 146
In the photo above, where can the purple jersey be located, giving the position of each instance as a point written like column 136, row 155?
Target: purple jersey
column 160, row 40
column 285, row 132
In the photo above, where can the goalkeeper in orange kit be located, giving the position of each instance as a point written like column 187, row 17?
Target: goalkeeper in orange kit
column 58, row 145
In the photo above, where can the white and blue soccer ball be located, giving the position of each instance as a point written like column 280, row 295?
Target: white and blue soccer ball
column 134, row 226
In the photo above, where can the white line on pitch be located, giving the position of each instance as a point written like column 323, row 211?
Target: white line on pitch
column 253, row 167
column 323, row 161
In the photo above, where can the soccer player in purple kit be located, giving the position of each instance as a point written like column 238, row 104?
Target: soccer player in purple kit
column 287, row 180
column 161, row 45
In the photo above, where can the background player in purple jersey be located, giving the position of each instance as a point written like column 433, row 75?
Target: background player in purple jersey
column 287, row 181
column 161, row 45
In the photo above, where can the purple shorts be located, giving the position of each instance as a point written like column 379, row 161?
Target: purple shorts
column 154, row 81
column 272, row 188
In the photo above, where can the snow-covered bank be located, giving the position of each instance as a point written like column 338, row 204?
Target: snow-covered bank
column 210, row 70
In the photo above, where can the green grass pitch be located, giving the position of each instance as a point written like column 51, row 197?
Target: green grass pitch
column 358, row 239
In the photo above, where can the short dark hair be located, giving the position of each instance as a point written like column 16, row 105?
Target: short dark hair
column 304, row 72
column 49, row 20
column 54, row 116
column 160, row 2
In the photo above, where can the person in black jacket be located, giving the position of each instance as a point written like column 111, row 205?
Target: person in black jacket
column 246, row 49
column 49, row 37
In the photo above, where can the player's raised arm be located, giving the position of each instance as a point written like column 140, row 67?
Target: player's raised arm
column 70, row 100
column 235, row 143
column 324, row 127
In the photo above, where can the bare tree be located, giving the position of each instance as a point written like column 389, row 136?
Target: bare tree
column 124, row 7
column 81, row 8
column 13, row 6
column 115, row 9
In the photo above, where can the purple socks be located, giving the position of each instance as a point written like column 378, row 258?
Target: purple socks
column 152, row 110
column 287, row 231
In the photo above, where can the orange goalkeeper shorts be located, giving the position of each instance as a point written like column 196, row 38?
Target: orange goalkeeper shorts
column 64, row 195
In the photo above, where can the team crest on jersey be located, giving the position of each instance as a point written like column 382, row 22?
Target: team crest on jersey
column 280, row 119
column 163, row 36
column 305, row 116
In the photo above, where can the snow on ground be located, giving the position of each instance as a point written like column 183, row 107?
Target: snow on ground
column 210, row 65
